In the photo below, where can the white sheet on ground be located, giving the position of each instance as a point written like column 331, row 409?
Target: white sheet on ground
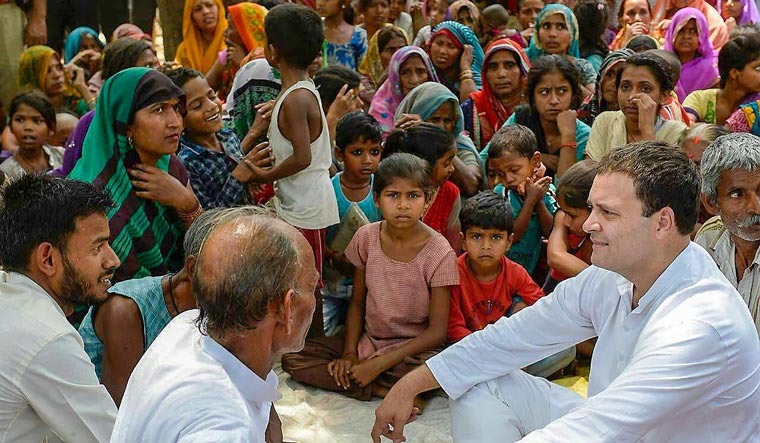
column 310, row 415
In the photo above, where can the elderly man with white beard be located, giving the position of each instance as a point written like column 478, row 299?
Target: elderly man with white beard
column 731, row 191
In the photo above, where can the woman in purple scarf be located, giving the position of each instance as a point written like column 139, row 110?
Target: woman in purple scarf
column 689, row 38
column 744, row 12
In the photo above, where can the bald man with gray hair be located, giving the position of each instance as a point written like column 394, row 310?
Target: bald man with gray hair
column 208, row 376
column 731, row 192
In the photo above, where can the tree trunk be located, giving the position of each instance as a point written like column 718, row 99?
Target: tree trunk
column 171, row 12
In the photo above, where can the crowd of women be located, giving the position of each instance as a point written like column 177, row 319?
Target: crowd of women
column 430, row 78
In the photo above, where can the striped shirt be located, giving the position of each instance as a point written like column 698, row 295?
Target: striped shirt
column 716, row 240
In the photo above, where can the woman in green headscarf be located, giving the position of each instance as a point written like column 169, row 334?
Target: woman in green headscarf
column 434, row 103
column 41, row 68
column 129, row 151
column 557, row 33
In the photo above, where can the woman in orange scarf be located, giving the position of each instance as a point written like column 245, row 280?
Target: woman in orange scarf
column 203, row 27
column 245, row 34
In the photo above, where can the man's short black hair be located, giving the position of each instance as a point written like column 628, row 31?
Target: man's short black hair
column 356, row 126
column 486, row 210
column 182, row 75
column 40, row 208
column 296, row 32
column 663, row 176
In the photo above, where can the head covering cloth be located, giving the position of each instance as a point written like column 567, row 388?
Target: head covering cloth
column 702, row 71
column 425, row 99
column 389, row 94
column 536, row 50
column 74, row 40
column 193, row 52
column 146, row 235
column 461, row 35
column 491, row 112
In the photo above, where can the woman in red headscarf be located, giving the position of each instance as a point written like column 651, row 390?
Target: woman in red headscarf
column 505, row 69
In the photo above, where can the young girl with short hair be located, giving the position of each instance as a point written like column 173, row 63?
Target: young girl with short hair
column 398, row 314
column 438, row 148
column 32, row 122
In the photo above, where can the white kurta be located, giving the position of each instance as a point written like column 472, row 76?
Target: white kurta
column 48, row 386
column 684, row 366
column 188, row 388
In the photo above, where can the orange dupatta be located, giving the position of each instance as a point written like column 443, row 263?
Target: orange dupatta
column 191, row 52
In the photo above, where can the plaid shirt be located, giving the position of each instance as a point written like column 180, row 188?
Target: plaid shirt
column 211, row 171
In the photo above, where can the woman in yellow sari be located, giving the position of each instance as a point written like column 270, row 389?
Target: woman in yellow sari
column 203, row 27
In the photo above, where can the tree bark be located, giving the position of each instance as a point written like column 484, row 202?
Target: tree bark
column 170, row 13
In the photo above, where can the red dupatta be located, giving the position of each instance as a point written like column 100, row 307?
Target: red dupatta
column 487, row 106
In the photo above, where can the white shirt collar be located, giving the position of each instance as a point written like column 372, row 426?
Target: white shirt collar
column 250, row 385
column 19, row 279
column 663, row 282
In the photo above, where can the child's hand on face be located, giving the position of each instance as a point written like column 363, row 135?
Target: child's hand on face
column 535, row 189
column 346, row 101
column 341, row 368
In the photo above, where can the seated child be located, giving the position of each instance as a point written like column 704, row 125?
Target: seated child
column 569, row 251
column 399, row 311
column 358, row 147
column 32, row 123
column 299, row 135
column 210, row 154
column 491, row 286
column 496, row 25
column 514, row 162
column 438, row 148
column 65, row 122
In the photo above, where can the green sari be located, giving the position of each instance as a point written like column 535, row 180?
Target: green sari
column 146, row 235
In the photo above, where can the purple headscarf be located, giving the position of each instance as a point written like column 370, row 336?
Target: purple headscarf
column 73, row 145
column 389, row 95
column 749, row 13
column 702, row 71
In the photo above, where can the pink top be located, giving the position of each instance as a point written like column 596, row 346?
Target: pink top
column 398, row 293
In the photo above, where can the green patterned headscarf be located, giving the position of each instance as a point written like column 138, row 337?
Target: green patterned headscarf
column 146, row 235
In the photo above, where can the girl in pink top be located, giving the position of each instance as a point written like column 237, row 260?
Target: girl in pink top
column 398, row 315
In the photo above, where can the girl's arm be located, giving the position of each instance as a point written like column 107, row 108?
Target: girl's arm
column 431, row 338
column 556, row 252
column 355, row 315
column 340, row 369
column 566, row 121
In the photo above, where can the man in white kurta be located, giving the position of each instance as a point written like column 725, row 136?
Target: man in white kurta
column 677, row 358
column 208, row 376
column 56, row 255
